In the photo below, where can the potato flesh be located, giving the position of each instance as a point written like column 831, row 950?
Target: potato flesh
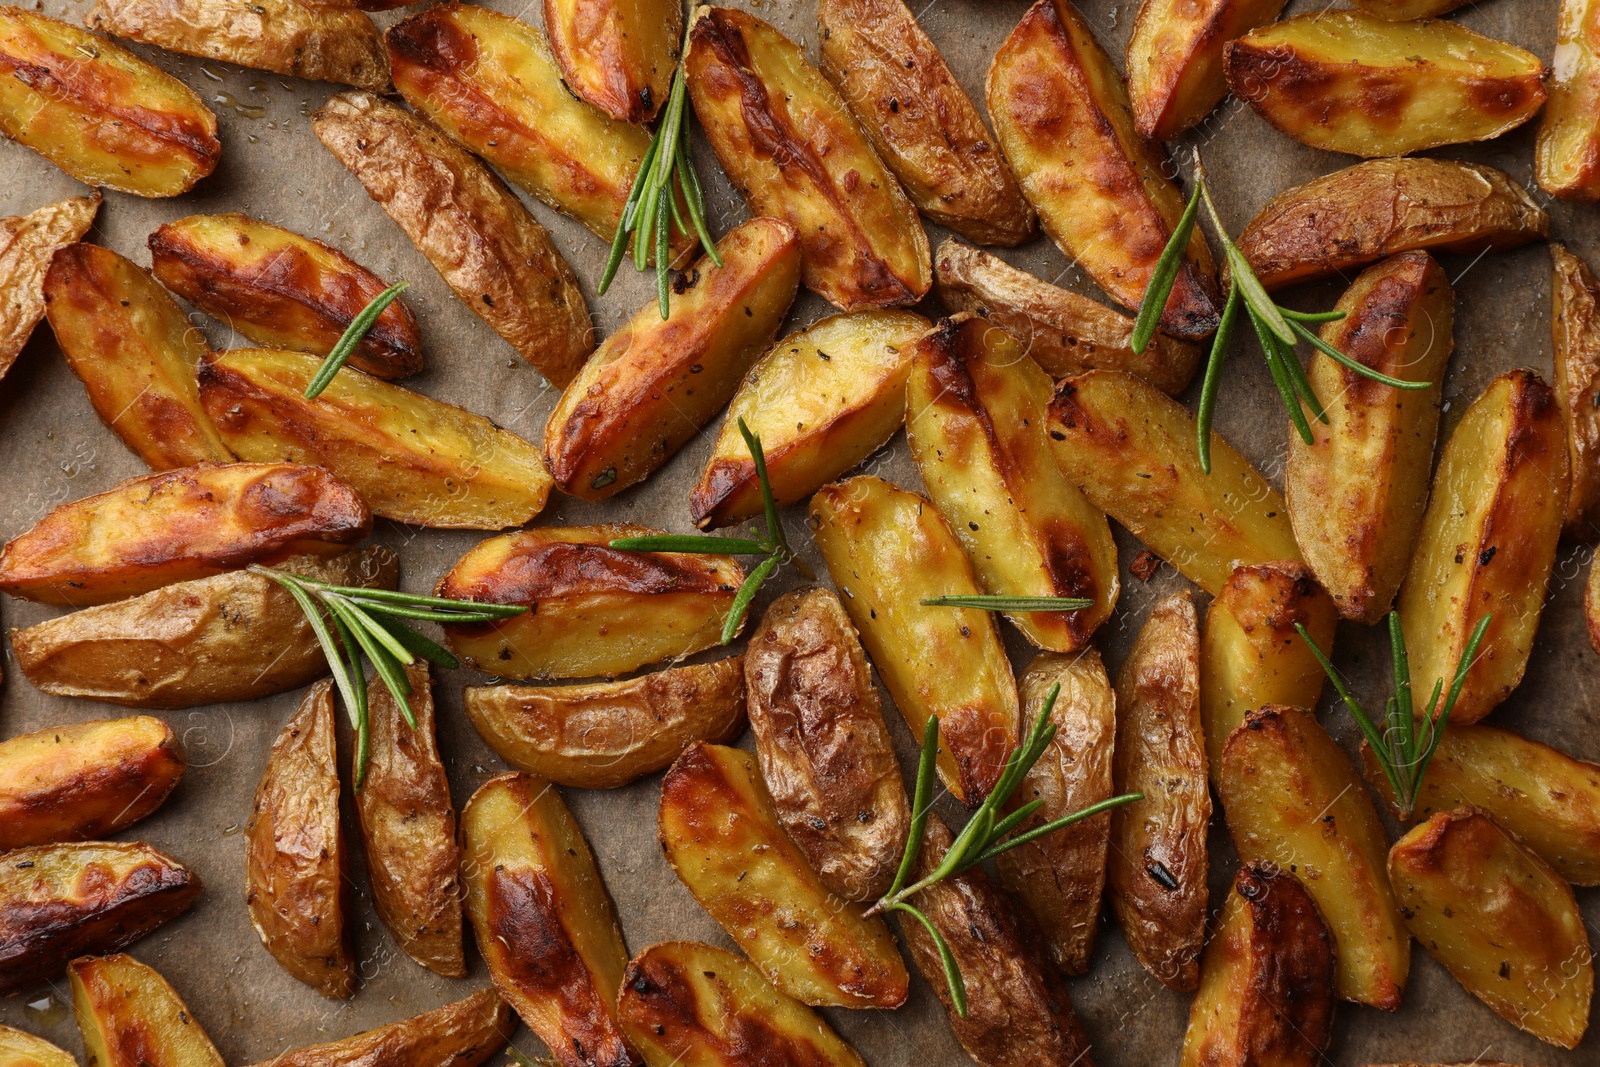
column 618, row 55
column 1567, row 159
column 1575, row 335
column 821, row 400
column 27, row 244
column 1174, row 62
column 462, row 1034
column 21, row 1049
column 131, row 1017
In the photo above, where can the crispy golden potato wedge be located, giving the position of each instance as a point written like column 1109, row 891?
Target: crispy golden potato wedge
column 330, row 40
column 1062, row 875
column 617, row 54
column 1575, row 336
column 826, row 755
column 411, row 458
column 1292, row 798
column 1488, row 541
column 1567, row 160
column 654, row 383
column 887, row 550
column 691, row 1004
column 791, row 147
column 131, row 1017
column 921, row 122
column 1356, row 216
column 1063, row 120
column 98, row 111
column 723, row 837
column 546, row 926
column 61, row 901
column 1266, row 982
column 136, row 354
column 821, row 400
column 233, row 636
column 1132, row 450
column 178, row 525
column 27, row 244
column 462, row 1034
column 85, row 780
column 975, row 412
column 593, row 609
column 1174, row 60
column 478, row 236
column 282, row 290
column 1500, row 919
column 21, row 1049
column 1356, row 494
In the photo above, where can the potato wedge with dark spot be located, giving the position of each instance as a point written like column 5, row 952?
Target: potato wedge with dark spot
column 27, row 244
column 21, row 1049
column 1567, row 159
column 1174, row 61
column 1575, row 334
column 131, row 1017
column 618, row 55
column 462, row 1034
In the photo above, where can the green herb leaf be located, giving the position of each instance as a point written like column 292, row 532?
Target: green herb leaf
column 952, row 972
column 352, row 337
column 1360, row 368
column 1009, row 603
column 747, row 593
column 1159, row 289
column 1208, row 388
column 702, row 543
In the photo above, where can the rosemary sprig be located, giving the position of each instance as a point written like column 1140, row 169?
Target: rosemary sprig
column 1406, row 744
column 351, row 622
column 353, row 335
column 1010, row 603
column 984, row 837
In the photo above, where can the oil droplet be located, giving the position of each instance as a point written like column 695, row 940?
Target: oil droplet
column 249, row 111
column 229, row 831
column 46, row 1011
column 213, row 75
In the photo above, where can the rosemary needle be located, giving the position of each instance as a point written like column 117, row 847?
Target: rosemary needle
column 352, row 337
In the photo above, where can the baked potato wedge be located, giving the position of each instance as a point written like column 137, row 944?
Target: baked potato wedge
column 1266, row 981
column 478, row 236
column 462, row 1034
column 179, row 525
column 593, row 610
column 58, row 902
column 1061, row 876
column 1131, row 448
column 887, row 550
column 411, row 458
column 136, row 354
column 1345, row 220
column 1575, row 336
column 1292, row 798
column 618, row 55
column 1174, row 59
column 789, row 144
column 722, row 835
column 85, row 780
column 920, row 121
column 975, row 409
column 27, row 244
column 1566, row 162
column 1406, row 10
column 545, row 924
column 98, row 111
column 282, row 290
column 691, row 1004
column 826, row 756
column 233, row 636
column 1500, row 919
column 1062, row 117
column 821, row 400
column 1357, row 493
column 1347, row 81
column 652, row 385
column 330, row 41
column 131, row 1017
column 21, row 1049
column 1488, row 541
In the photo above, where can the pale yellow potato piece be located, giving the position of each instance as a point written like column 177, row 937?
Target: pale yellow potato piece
column 1174, row 60
column 27, row 244
column 1405, row 11
column 21, row 1049
column 1567, row 159
column 1575, row 337
column 131, row 1017
column 618, row 55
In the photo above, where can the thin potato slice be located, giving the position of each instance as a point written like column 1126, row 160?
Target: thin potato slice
column 21, row 1049
column 975, row 412
column 136, row 354
column 1292, row 798
column 654, row 383
column 1357, row 493
column 462, row 1034
column 593, row 609
column 412, row 458
column 1174, row 61
column 85, row 780
column 887, row 550
column 1487, row 542
column 1132, row 450
column 1575, row 334
column 1405, row 11
column 618, row 55
column 722, row 836
column 789, row 144
column 1567, row 159
column 27, row 244
column 1500, row 919
column 1063, row 120
column 821, row 400
column 131, row 1017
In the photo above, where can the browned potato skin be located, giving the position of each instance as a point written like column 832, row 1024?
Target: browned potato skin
column 721, row 833
column 179, row 525
column 462, row 1034
column 1174, row 59
column 478, row 236
column 1567, row 159
column 1575, row 333
column 408, row 826
column 136, row 354
column 618, row 55
column 27, row 244
column 85, row 780
column 1062, row 875
column 1018, row 1010
column 61, row 901
column 131, row 1017
column 805, row 161
column 1065, row 333
column 20, row 1049
column 283, row 290
column 326, row 41
column 1404, row 11
column 233, row 636
column 921, row 122
column 826, row 756
column 1356, row 216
